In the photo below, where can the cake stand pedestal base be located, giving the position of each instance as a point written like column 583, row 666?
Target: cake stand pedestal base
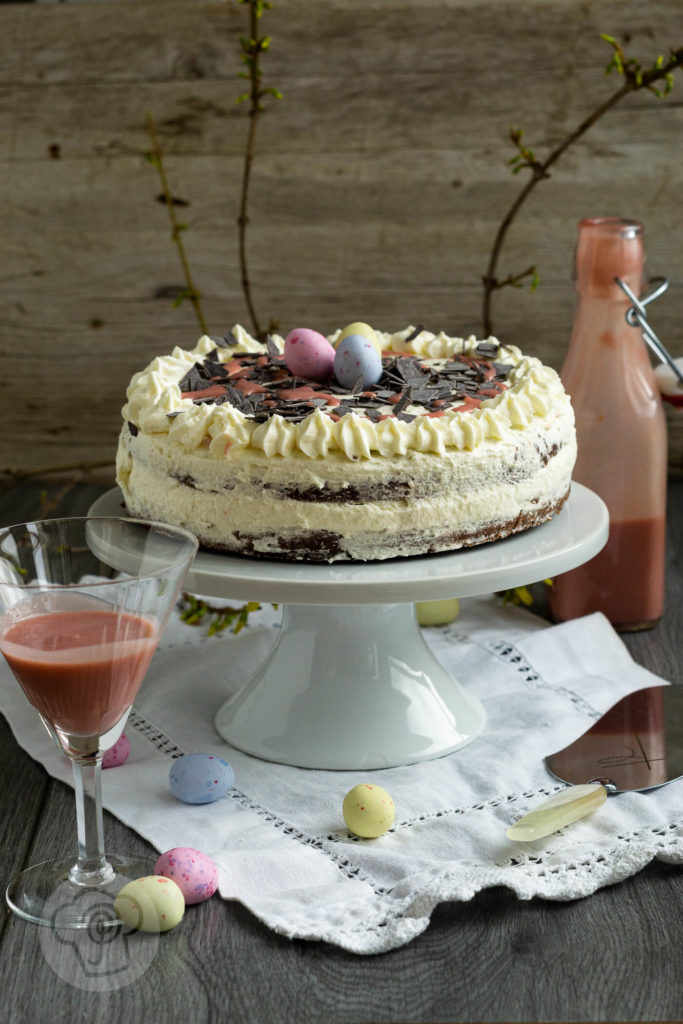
column 350, row 687
column 350, row 682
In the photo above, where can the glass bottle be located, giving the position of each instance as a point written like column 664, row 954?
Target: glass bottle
column 621, row 434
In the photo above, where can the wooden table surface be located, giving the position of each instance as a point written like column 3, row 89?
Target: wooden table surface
column 615, row 956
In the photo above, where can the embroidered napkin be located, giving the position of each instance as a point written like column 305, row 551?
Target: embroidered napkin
column 279, row 838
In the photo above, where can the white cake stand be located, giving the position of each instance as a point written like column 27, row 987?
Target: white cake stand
column 350, row 682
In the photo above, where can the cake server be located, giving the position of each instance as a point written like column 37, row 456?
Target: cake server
column 636, row 745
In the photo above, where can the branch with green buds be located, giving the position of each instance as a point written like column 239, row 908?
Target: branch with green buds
column 196, row 612
column 155, row 158
column 252, row 46
column 658, row 79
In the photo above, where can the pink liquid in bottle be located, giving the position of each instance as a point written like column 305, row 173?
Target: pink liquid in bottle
column 621, row 434
column 80, row 670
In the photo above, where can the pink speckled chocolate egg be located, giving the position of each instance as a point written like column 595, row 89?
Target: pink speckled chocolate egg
column 117, row 754
column 309, row 354
column 193, row 872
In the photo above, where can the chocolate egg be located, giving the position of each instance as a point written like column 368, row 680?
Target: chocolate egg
column 357, row 357
column 669, row 384
column 437, row 613
column 365, row 330
column 200, row 778
column 150, row 904
column 368, row 810
column 309, row 354
column 193, row 872
column 117, row 754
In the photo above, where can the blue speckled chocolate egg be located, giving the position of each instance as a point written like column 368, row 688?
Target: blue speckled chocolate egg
column 356, row 357
column 200, row 778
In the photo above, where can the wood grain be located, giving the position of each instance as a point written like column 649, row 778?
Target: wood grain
column 379, row 181
column 612, row 957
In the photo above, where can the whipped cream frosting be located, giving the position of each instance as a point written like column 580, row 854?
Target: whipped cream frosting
column 155, row 406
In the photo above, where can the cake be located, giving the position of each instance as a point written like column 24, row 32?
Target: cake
column 459, row 442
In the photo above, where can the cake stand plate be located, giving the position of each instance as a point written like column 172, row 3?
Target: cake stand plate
column 350, row 682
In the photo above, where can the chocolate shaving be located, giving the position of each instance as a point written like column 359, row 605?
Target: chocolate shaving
column 192, row 380
column 502, row 369
column 403, row 402
column 487, row 348
column 215, row 369
column 413, row 334
column 405, row 379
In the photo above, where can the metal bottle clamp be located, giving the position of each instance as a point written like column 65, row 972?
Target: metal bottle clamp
column 636, row 316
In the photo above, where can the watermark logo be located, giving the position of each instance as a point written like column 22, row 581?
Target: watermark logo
column 101, row 956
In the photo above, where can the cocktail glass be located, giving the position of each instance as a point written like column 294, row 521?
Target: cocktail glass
column 83, row 602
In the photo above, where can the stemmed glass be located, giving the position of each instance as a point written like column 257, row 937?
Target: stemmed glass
column 83, row 602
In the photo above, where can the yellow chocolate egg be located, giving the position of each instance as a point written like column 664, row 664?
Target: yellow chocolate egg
column 364, row 330
column 150, row 904
column 368, row 810
column 437, row 613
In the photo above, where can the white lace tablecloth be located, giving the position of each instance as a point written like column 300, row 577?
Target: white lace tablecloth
column 279, row 838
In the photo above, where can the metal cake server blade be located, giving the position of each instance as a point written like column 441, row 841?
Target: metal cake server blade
column 636, row 745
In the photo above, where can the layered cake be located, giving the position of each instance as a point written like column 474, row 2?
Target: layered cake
column 407, row 444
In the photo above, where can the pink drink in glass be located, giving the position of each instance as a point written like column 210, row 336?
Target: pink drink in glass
column 80, row 669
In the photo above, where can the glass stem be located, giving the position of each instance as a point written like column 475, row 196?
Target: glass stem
column 92, row 867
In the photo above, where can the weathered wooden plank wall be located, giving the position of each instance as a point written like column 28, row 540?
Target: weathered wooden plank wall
column 379, row 182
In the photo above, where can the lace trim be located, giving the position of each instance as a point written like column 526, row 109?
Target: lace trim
column 508, row 653
column 396, row 905
column 157, row 737
column 167, row 746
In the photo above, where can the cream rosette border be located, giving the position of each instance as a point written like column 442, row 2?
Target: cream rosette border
column 155, row 406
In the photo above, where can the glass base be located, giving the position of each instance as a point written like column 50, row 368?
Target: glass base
column 635, row 627
column 44, row 894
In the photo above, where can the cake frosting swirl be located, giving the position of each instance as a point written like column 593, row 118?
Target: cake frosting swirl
column 157, row 404
column 460, row 441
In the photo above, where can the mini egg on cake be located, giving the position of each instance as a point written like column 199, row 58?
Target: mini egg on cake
column 361, row 446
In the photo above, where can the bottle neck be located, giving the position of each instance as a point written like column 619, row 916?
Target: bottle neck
column 604, row 345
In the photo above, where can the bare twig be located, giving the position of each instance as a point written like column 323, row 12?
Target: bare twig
column 14, row 474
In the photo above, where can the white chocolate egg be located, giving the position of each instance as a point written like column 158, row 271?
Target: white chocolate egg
column 669, row 384
column 368, row 810
column 150, row 904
